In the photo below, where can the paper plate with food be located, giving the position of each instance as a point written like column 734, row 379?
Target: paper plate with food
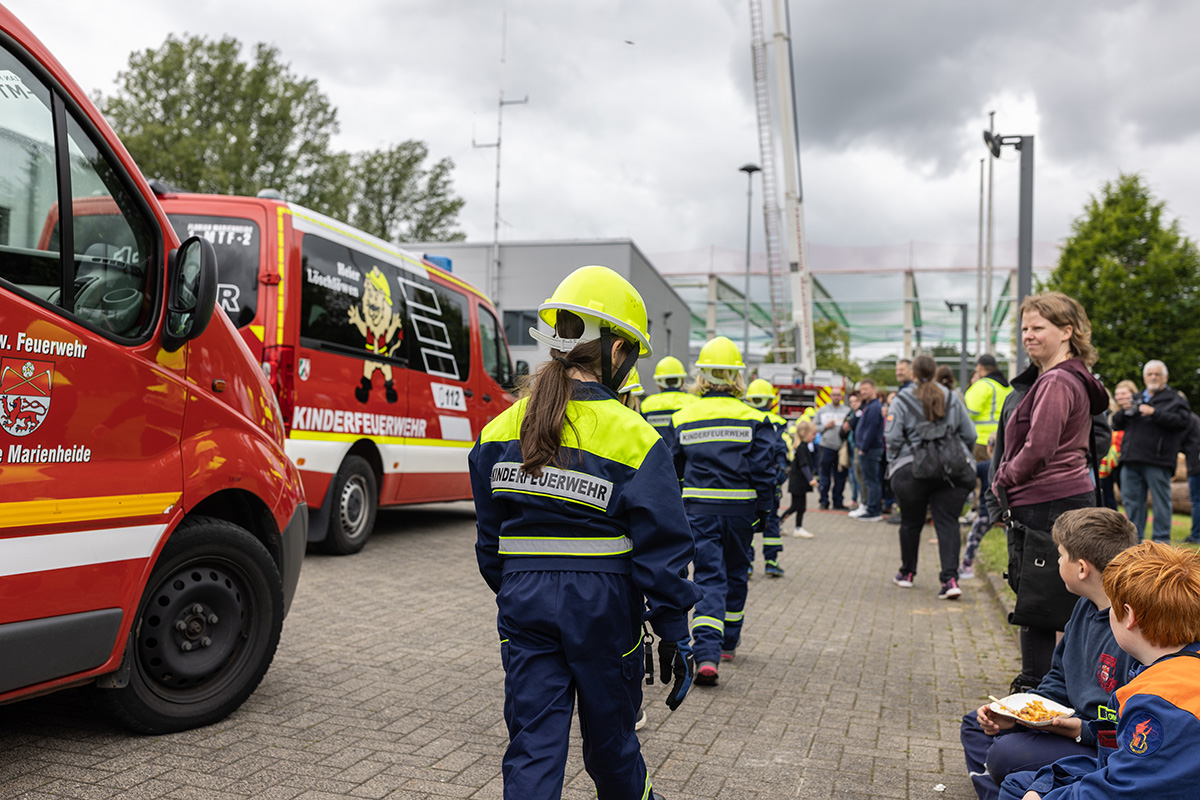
column 1029, row 709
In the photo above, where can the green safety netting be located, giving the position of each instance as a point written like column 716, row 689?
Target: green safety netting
column 860, row 290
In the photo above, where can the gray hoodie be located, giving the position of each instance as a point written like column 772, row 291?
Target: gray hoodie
column 906, row 412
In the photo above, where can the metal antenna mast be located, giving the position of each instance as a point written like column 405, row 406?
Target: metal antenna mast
column 781, row 315
column 492, row 277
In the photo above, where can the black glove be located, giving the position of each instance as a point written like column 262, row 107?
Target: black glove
column 675, row 658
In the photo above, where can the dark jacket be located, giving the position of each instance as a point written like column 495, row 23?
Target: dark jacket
column 800, row 481
column 1154, row 438
column 1190, row 447
column 1048, row 436
column 868, row 433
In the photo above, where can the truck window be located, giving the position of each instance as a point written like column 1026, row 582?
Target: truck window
column 237, row 242
column 28, row 190
column 113, row 247
column 496, row 360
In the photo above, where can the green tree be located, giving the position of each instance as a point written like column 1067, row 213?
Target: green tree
column 397, row 199
column 195, row 114
column 1139, row 279
column 832, row 345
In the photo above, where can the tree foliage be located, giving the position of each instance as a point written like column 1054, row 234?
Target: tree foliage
column 401, row 201
column 1139, row 279
column 832, row 345
column 197, row 115
column 194, row 113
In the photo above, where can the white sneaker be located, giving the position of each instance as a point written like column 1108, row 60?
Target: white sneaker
column 641, row 720
column 802, row 533
column 875, row 518
column 861, row 511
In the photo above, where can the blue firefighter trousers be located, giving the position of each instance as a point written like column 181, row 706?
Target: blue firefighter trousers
column 721, row 566
column 772, row 540
column 569, row 635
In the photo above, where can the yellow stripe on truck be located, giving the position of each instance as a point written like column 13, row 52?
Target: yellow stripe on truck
column 85, row 509
column 279, row 293
column 320, row 436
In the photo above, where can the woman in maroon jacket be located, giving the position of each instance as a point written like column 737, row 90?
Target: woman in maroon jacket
column 1043, row 470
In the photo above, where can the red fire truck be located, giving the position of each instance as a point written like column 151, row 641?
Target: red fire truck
column 151, row 525
column 386, row 366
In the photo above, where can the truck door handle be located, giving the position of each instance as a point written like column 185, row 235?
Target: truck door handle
column 468, row 393
column 487, row 398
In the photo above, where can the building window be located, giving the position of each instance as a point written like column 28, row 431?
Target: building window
column 516, row 328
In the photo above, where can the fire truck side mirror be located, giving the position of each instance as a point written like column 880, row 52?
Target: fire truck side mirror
column 191, row 292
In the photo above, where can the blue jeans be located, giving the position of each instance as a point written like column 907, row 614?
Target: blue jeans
column 1136, row 480
column 1194, row 493
column 872, row 462
column 852, row 475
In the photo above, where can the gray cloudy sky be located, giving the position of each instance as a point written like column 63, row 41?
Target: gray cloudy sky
column 641, row 111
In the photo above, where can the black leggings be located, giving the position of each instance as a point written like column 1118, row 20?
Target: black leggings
column 1037, row 651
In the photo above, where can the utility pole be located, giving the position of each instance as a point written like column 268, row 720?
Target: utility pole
column 492, row 275
column 991, row 245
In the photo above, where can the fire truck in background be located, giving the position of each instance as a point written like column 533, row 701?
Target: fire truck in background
column 799, row 392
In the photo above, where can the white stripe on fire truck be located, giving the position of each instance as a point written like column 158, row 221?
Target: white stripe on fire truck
column 25, row 554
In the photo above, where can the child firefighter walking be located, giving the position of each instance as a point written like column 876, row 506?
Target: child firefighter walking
column 581, row 528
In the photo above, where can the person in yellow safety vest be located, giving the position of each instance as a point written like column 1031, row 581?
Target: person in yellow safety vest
column 761, row 395
column 582, row 534
column 631, row 392
column 725, row 454
column 670, row 376
column 984, row 399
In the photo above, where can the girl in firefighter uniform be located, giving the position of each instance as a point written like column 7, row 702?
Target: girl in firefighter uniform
column 582, row 535
column 724, row 453
column 761, row 395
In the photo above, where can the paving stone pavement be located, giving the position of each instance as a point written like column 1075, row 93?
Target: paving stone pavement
column 387, row 684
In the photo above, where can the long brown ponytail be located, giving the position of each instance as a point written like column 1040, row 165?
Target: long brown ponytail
column 928, row 391
column 549, row 391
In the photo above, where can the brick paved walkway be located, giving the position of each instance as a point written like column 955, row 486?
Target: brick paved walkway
column 388, row 685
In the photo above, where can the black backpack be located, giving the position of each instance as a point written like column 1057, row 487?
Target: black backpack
column 940, row 455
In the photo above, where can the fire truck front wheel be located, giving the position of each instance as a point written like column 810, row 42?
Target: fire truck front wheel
column 205, row 631
column 355, row 499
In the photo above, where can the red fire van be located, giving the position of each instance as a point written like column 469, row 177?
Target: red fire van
column 386, row 367
column 151, row 525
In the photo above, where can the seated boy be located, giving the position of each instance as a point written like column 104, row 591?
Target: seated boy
column 1088, row 663
column 1155, row 615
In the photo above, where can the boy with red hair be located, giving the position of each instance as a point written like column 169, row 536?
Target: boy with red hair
column 1155, row 617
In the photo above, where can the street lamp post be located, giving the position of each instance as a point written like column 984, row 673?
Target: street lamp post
column 749, row 169
column 1024, row 145
column 962, row 357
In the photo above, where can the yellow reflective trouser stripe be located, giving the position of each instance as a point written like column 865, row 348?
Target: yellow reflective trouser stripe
column 719, row 494
column 646, row 791
column 635, row 647
column 735, row 616
column 564, row 546
column 711, row 622
column 772, row 540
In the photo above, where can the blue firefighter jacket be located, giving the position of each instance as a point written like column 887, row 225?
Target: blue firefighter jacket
column 612, row 506
column 726, row 454
column 658, row 408
column 1155, row 745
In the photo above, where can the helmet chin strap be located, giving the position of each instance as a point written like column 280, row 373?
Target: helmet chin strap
column 607, row 377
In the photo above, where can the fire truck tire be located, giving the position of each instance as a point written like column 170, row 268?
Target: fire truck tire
column 205, row 632
column 355, row 499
